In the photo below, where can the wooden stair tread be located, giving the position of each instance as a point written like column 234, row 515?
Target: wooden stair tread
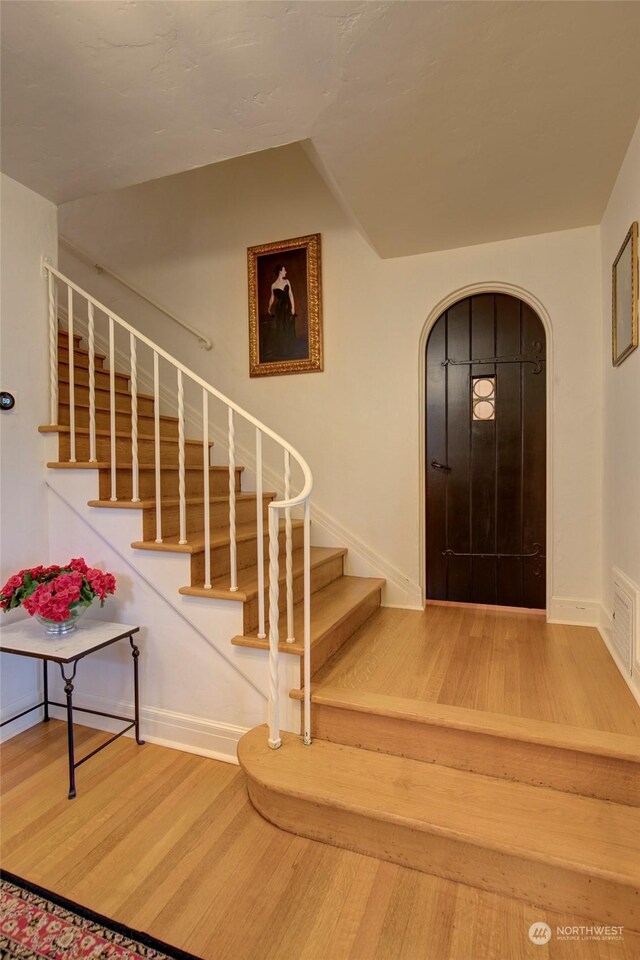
column 329, row 607
column 78, row 465
column 219, row 538
column 147, row 467
column 79, row 351
column 122, row 434
column 64, row 366
column 600, row 742
column 149, row 503
column 99, row 408
column 122, row 390
column 596, row 837
column 248, row 577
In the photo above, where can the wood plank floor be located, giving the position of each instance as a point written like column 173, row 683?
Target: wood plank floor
column 167, row 842
column 509, row 663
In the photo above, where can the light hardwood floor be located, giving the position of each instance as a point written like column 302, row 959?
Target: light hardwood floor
column 167, row 842
column 509, row 663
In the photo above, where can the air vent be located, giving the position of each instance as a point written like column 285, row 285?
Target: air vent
column 625, row 599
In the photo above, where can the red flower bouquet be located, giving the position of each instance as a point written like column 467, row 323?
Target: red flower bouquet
column 57, row 593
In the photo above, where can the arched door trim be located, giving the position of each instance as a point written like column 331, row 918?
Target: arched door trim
column 460, row 294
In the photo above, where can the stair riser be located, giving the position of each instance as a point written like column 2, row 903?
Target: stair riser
column 218, row 483
column 168, row 428
column 321, row 576
column 102, row 377
column 81, row 359
column 247, row 553
column 571, row 771
column 340, row 634
column 560, row 888
column 123, row 399
column 218, row 512
column 146, row 450
column 63, row 339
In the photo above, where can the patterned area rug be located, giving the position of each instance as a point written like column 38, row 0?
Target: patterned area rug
column 35, row 923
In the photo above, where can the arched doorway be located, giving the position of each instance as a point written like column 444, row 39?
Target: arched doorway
column 485, row 453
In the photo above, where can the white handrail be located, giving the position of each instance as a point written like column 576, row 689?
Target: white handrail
column 280, row 504
column 100, row 268
column 274, row 507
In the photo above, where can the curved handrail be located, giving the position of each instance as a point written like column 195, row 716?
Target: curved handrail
column 304, row 466
column 286, row 504
column 203, row 340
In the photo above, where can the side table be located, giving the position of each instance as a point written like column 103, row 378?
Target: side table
column 27, row 639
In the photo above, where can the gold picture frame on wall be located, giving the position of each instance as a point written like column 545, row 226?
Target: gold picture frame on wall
column 625, row 297
column 285, row 307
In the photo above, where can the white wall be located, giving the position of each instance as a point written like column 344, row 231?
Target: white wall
column 191, row 696
column 29, row 230
column 621, row 453
column 184, row 240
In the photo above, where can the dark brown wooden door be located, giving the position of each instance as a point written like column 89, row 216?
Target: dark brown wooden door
column 486, row 454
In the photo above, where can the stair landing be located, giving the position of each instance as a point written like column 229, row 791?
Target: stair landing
column 488, row 692
column 514, row 664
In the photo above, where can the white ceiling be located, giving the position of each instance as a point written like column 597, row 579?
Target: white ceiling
column 439, row 124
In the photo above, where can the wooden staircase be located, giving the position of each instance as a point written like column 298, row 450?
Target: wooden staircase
column 340, row 603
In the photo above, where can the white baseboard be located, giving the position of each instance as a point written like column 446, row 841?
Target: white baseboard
column 15, row 707
column 362, row 560
column 179, row 731
column 569, row 610
column 605, row 628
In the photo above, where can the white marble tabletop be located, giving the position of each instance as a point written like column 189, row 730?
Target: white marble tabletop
column 28, row 638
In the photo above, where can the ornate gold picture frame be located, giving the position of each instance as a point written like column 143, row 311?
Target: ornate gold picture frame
column 285, row 307
column 625, row 297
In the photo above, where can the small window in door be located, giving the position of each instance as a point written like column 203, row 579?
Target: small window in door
column 484, row 398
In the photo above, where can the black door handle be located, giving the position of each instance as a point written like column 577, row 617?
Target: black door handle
column 439, row 466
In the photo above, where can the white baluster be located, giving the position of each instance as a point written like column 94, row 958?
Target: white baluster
column 233, row 559
column 92, row 383
column 112, row 406
column 260, row 529
column 206, row 465
column 53, row 348
column 182, row 488
column 307, row 621
column 289, row 547
column 156, row 434
column 135, row 467
column 274, row 635
column 72, row 379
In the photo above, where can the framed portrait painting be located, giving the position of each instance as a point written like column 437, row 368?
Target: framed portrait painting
column 285, row 307
column 625, row 297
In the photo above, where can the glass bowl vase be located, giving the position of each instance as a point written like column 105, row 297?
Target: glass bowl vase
column 62, row 628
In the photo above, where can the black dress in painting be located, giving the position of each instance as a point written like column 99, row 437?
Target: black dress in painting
column 278, row 340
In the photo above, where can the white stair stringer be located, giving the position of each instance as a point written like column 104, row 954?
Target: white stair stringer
column 214, row 620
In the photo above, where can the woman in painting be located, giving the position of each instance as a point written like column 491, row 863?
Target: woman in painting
column 282, row 307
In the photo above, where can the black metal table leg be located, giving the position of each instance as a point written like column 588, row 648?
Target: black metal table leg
column 68, row 689
column 45, row 687
column 135, row 653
